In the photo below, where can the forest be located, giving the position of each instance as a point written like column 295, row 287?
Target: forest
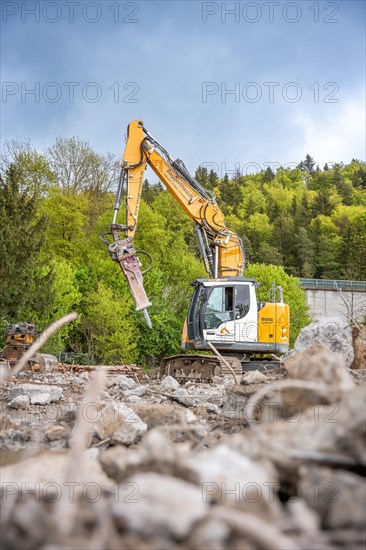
column 307, row 221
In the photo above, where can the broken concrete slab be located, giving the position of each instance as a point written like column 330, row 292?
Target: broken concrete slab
column 138, row 391
column 39, row 394
column 169, row 383
column 337, row 428
column 253, row 377
column 176, row 448
column 56, row 433
column 155, row 414
column 133, row 399
column 212, row 408
column 119, row 423
column 234, row 403
column 335, row 332
column 20, row 402
column 211, row 534
column 227, row 477
column 319, row 363
column 331, row 492
column 124, row 382
column 155, row 453
column 160, row 505
column 49, row 467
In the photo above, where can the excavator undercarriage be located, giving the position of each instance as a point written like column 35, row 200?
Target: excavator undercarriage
column 202, row 369
column 197, row 368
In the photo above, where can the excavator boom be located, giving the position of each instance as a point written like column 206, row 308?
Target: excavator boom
column 221, row 248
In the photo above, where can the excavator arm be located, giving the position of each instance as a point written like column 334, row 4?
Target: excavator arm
column 221, row 248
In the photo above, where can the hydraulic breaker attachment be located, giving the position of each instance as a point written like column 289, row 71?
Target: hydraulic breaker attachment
column 123, row 252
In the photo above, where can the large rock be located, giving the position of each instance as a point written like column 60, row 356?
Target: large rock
column 253, row 377
column 138, row 391
column 120, row 423
column 336, row 429
column 20, row 402
column 211, row 534
column 124, row 382
column 234, row 403
column 159, row 506
column 325, row 374
column 339, row 497
column 154, row 454
column 169, row 383
column 48, row 468
column 39, row 394
column 157, row 415
column 55, row 433
column 319, row 364
column 227, row 477
column 335, row 332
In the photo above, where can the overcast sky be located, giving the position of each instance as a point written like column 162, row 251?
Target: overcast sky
column 295, row 70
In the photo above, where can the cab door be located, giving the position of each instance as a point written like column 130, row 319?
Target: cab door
column 218, row 316
column 246, row 314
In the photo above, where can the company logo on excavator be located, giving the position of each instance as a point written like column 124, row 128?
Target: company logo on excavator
column 224, row 331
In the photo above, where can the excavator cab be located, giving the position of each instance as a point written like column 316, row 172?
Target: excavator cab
column 227, row 313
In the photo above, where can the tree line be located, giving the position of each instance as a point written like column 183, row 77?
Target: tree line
column 311, row 221
column 53, row 205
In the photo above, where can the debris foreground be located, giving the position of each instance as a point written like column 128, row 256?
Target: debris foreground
column 105, row 460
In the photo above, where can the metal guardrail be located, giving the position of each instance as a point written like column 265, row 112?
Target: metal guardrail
column 331, row 284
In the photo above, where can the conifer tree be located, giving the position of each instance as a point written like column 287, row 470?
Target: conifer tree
column 24, row 285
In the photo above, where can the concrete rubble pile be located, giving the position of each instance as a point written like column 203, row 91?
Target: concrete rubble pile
column 276, row 461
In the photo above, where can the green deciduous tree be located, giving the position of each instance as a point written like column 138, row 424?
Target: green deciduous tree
column 67, row 299
column 67, row 215
column 108, row 326
column 78, row 168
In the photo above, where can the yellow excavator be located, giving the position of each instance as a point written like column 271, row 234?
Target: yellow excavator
column 225, row 315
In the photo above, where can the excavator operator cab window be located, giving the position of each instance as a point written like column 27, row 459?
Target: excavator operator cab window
column 226, row 303
column 242, row 301
column 220, row 306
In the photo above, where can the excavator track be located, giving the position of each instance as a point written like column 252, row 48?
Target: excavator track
column 197, row 368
